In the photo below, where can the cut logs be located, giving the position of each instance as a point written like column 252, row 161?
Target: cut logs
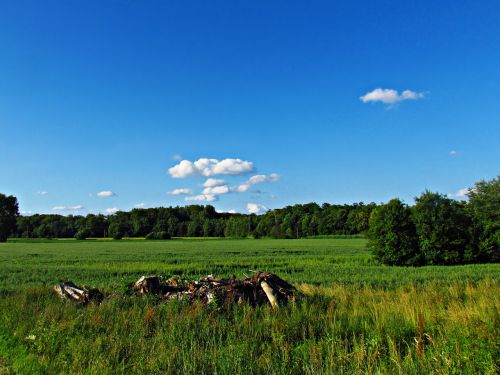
column 69, row 291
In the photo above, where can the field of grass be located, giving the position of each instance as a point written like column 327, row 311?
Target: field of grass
column 355, row 317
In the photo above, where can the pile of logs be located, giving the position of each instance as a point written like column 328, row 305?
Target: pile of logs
column 260, row 289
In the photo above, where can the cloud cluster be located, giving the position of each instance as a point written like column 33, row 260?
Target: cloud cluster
column 105, row 194
column 224, row 189
column 454, row 153
column 67, row 208
column 212, row 182
column 180, row 192
column 390, row 96
column 257, row 179
column 256, row 208
column 201, row 198
column 41, row 192
column 210, row 167
column 111, row 211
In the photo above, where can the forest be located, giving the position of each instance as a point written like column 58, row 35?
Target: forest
column 298, row 221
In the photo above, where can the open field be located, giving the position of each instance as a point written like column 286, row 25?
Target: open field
column 356, row 316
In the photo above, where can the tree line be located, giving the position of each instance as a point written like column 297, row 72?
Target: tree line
column 435, row 230
column 439, row 230
column 298, row 221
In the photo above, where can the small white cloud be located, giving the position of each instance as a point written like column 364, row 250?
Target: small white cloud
column 454, row 153
column 390, row 96
column 462, row 193
column 139, row 205
column 257, row 179
column 212, row 182
column 216, row 190
column 210, row 167
column 41, row 193
column 201, row 198
column 255, row 208
column 67, row 208
column 105, row 194
column 226, row 212
column 180, row 192
column 26, row 213
column 176, row 157
column 112, row 210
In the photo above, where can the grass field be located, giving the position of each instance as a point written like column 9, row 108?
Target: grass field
column 356, row 316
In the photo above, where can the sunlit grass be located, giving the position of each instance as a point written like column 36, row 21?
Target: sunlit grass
column 355, row 316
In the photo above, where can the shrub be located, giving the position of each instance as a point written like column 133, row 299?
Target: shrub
column 82, row 234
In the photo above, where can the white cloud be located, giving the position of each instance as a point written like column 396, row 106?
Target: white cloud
column 106, row 193
column 216, row 190
column 41, row 193
column 139, row 205
column 112, row 210
column 211, row 182
column 210, row 167
column 180, row 192
column 390, row 96
column 67, row 208
column 201, row 198
column 255, row 208
column 257, row 179
column 454, row 153
column 226, row 212
column 176, row 157
column 462, row 193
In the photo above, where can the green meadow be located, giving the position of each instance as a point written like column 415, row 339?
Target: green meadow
column 355, row 316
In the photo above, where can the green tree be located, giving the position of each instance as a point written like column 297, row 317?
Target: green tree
column 9, row 211
column 443, row 228
column 484, row 207
column 392, row 235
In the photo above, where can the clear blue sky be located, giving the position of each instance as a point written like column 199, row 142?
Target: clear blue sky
column 105, row 96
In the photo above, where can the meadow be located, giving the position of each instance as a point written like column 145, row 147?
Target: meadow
column 355, row 316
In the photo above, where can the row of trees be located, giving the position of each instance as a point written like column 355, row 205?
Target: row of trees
column 201, row 221
column 438, row 230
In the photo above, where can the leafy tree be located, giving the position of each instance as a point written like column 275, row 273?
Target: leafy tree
column 9, row 211
column 484, row 207
column 392, row 235
column 443, row 228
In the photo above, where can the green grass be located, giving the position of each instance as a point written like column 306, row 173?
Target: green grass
column 356, row 316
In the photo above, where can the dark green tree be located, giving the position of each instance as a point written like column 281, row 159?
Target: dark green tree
column 392, row 235
column 484, row 207
column 9, row 211
column 443, row 228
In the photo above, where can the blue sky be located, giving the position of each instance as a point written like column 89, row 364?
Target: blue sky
column 107, row 96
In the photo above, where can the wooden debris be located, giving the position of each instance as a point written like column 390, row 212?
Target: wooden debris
column 260, row 289
column 71, row 292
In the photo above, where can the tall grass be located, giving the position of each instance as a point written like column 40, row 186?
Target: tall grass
column 350, row 319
